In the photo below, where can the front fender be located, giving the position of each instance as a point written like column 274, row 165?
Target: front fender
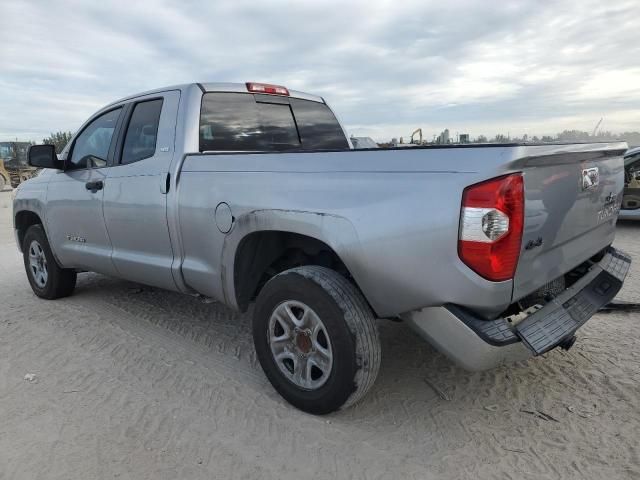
column 32, row 200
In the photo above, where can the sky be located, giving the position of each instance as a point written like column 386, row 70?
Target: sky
column 386, row 67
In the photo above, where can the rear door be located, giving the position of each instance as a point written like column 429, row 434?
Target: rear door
column 135, row 199
column 75, row 223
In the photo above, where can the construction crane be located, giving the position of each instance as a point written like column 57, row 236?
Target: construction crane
column 418, row 130
column 596, row 129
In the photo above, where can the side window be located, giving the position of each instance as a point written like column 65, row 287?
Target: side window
column 142, row 132
column 91, row 148
column 237, row 122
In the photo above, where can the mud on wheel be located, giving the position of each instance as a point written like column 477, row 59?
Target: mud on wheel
column 316, row 339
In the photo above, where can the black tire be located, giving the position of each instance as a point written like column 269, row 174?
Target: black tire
column 351, row 328
column 60, row 282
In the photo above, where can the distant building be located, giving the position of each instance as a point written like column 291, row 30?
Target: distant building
column 464, row 138
column 444, row 137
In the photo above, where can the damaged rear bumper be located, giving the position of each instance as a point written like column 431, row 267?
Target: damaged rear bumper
column 478, row 344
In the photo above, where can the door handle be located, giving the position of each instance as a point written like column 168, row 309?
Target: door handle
column 94, row 186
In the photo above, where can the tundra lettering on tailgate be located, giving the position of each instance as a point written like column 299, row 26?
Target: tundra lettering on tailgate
column 611, row 207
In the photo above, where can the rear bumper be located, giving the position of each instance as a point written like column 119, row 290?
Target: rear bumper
column 478, row 344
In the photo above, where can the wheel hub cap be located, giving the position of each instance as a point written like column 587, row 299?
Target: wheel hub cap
column 38, row 264
column 303, row 342
column 300, row 345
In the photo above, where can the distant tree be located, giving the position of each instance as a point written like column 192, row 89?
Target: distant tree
column 500, row 138
column 482, row 139
column 59, row 139
column 574, row 136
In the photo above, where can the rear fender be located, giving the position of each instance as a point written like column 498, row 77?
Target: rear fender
column 336, row 231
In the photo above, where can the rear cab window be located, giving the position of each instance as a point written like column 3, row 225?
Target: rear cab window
column 318, row 126
column 266, row 123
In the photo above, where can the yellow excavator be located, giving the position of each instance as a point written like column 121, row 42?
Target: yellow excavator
column 13, row 164
column 5, row 178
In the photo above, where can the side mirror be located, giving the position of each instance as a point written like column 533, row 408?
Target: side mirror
column 44, row 156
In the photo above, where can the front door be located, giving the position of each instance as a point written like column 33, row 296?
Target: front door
column 135, row 202
column 75, row 223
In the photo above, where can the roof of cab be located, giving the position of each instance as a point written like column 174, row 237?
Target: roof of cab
column 242, row 88
column 215, row 87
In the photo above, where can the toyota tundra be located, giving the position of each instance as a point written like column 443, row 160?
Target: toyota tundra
column 251, row 194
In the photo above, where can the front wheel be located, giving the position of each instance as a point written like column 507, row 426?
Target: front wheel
column 316, row 339
column 48, row 280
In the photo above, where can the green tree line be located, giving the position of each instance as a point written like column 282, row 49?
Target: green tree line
column 59, row 139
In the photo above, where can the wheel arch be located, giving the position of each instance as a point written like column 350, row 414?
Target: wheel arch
column 24, row 219
column 264, row 243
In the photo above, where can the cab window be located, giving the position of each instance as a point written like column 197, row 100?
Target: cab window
column 246, row 122
column 142, row 132
column 91, row 148
column 318, row 126
column 237, row 122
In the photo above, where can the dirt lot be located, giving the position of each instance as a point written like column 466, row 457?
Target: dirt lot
column 133, row 382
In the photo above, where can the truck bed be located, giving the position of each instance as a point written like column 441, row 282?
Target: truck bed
column 396, row 212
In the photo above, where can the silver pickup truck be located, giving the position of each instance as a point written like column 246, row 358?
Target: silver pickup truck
column 250, row 194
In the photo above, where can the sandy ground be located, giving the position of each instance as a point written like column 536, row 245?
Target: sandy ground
column 134, row 383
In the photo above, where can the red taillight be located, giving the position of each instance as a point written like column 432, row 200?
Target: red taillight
column 266, row 88
column 491, row 223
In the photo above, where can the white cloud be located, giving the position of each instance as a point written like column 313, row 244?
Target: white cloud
column 525, row 66
column 611, row 84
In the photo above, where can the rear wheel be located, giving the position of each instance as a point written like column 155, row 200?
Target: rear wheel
column 316, row 339
column 47, row 279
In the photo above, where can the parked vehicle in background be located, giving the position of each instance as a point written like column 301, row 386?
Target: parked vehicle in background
column 630, row 209
column 250, row 193
column 360, row 143
column 14, row 168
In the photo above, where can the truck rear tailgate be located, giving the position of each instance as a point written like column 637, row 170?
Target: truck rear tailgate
column 572, row 198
